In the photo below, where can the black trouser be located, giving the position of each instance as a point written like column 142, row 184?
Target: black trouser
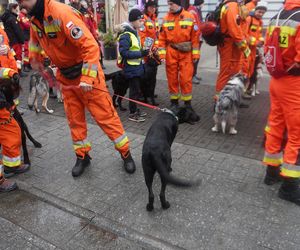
column 195, row 67
column 150, row 80
column 134, row 93
column 253, row 78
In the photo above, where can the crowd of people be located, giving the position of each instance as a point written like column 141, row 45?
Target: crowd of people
column 70, row 38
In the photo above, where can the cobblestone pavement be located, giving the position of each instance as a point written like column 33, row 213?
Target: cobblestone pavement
column 105, row 208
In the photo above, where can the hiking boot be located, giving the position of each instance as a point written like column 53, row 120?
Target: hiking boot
column 80, row 165
column 195, row 80
column 174, row 106
column 9, row 171
column 129, row 164
column 290, row 190
column 7, row 186
column 272, row 175
column 136, row 118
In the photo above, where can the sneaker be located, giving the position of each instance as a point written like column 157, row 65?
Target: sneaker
column 198, row 78
column 195, row 80
column 141, row 113
column 136, row 118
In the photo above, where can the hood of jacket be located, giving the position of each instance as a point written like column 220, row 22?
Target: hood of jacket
column 291, row 4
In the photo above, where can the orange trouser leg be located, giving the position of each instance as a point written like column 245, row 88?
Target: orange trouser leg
column 172, row 70
column 230, row 63
column 274, row 132
column 74, row 108
column 104, row 113
column 10, row 139
column 186, row 70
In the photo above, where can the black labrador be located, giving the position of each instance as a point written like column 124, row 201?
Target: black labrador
column 9, row 90
column 157, row 156
column 120, row 85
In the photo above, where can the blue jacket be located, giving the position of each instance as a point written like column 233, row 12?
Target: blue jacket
column 130, row 71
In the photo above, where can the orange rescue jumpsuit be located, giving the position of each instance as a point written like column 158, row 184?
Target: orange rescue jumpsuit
column 68, row 42
column 255, row 36
column 10, row 136
column 285, row 99
column 7, row 61
column 149, row 29
column 251, row 5
column 235, row 46
column 178, row 28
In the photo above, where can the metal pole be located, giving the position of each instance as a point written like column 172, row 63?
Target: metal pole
column 106, row 15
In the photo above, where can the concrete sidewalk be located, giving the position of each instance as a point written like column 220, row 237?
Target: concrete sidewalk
column 106, row 208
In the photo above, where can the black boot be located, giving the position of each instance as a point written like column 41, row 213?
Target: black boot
column 290, row 190
column 80, row 165
column 10, row 171
column 129, row 164
column 194, row 117
column 174, row 106
column 272, row 175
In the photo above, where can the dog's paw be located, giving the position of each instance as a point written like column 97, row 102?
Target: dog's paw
column 232, row 131
column 38, row 111
column 215, row 129
column 50, row 111
column 165, row 205
column 149, row 207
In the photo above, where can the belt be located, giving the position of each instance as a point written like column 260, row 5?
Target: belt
column 72, row 72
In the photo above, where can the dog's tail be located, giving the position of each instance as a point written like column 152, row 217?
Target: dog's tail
column 111, row 76
column 173, row 180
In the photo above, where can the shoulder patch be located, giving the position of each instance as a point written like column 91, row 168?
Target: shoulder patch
column 196, row 28
column 70, row 25
column 76, row 32
column 1, row 39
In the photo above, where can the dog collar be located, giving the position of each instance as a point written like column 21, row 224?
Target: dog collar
column 170, row 112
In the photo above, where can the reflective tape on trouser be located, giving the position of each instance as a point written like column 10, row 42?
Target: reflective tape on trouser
column 121, row 141
column 186, row 97
column 85, row 144
column 11, row 161
column 273, row 159
column 267, row 128
column 290, row 170
column 174, row 96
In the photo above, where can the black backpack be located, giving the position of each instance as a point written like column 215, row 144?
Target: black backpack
column 215, row 38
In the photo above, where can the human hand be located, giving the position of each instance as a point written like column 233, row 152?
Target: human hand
column 145, row 52
column 85, row 86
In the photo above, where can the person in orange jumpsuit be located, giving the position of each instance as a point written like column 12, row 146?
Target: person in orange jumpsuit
column 194, row 10
column 234, row 47
column 285, row 108
column 251, row 4
column 150, row 29
column 7, row 55
column 179, row 47
column 10, row 136
column 25, row 26
column 59, row 30
column 256, row 38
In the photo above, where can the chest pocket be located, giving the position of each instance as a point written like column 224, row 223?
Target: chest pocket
column 169, row 25
column 52, row 29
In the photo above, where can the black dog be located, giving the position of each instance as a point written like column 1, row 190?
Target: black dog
column 120, row 85
column 157, row 153
column 10, row 89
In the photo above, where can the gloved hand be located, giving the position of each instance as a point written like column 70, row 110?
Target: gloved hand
column 3, row 50
column 15, row 78
column 145, row 52
column 85, row 86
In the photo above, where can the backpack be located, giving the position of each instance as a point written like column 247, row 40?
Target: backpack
column 273, row 55
column 215, row 38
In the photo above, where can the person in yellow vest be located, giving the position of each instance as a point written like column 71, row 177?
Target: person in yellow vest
column 130, row 56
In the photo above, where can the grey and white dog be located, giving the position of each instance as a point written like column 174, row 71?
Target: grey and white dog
column 39, row 87
column 226, row 108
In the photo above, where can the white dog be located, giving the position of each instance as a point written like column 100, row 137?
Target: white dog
column 226, row 108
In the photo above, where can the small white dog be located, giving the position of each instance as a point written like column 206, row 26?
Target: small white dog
column 226, row 107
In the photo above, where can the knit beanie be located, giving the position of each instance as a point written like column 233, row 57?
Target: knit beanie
column 178, row 2
column 198, row 2
column 135, row 14
column 150, row 3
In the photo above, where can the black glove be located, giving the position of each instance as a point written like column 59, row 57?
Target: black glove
column 145, row 52
column 16, row 79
